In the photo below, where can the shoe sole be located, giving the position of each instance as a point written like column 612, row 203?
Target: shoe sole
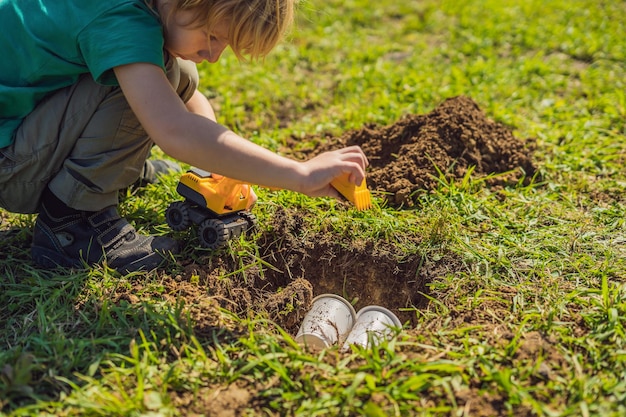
column 47, row 258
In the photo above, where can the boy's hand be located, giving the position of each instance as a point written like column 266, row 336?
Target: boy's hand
column 319, row 171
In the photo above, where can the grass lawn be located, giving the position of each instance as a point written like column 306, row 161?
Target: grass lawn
column 517, row 302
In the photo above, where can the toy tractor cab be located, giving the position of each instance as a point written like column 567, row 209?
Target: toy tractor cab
column 217, row 204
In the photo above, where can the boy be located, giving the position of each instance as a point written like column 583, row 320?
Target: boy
column 88, row 87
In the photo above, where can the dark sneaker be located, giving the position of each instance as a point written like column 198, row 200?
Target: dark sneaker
column 153, row 169
column 95, row 237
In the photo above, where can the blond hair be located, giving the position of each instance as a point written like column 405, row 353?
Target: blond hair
column 255, row 26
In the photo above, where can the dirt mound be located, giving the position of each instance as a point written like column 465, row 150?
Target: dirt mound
column 407, row 157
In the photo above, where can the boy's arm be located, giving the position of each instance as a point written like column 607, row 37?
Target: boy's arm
column 199, row 104
column 203, row 143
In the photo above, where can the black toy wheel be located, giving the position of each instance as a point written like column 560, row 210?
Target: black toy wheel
column 213, row 233
column 177, row 216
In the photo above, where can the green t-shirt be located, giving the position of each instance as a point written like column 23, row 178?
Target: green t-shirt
column 47, row 44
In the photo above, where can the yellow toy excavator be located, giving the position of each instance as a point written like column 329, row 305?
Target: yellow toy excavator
column 217, row 204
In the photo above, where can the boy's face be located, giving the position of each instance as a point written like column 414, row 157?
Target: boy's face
column 194, row 44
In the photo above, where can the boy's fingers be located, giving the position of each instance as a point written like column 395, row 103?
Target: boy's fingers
column 356, row 174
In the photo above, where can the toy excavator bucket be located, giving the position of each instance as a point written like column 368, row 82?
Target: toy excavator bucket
column 359, row 195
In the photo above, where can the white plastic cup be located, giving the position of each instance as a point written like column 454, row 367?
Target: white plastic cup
column 373, row 324
column 328, row 322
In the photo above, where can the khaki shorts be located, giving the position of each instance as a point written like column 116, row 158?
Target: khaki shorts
column 82, row 141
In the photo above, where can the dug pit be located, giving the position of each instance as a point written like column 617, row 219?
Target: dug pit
column 406, row 158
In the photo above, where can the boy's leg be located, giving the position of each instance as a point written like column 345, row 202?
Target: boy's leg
column 78, row 220
column 43, row 142
column 109, row 165
column 50, row 134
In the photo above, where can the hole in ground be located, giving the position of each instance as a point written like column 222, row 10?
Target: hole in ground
column 299, row 266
